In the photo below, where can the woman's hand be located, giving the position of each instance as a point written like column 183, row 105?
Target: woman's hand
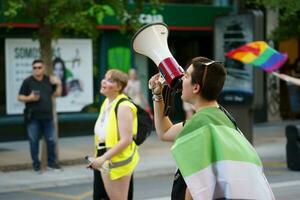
column 98, row 162
column 156, row 84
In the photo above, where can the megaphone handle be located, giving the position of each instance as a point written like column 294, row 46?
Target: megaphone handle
column 169, row 100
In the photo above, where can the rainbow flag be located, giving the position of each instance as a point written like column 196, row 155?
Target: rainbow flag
column 260, row 55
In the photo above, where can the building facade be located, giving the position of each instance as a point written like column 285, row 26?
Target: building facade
column 191, row 34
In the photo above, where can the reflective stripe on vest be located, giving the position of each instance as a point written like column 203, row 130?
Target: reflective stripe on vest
column 122, row 162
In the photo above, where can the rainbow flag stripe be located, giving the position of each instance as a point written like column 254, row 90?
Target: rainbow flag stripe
column 259, row 54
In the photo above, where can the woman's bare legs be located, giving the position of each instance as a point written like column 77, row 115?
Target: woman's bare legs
column 116, row 189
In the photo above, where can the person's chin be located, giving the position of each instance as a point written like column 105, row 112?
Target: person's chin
column 182, row 98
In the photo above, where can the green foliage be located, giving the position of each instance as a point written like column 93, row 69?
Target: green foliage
column 55, row 17
column 289, row 17
column 80, row 16
column 128, row 13
column 14, row 7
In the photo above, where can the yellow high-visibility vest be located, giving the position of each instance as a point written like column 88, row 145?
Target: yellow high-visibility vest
column 125, row 162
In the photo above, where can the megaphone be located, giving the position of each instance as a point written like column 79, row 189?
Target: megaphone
column 151, row 41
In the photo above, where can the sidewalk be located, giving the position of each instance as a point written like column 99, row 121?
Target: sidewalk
column 16, row 173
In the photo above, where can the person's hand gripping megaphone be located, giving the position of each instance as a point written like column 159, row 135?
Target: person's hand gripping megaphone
column 162, row 92
column 156, row 84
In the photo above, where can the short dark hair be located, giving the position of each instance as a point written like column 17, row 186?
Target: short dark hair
column 210, row 77
column 37, row 61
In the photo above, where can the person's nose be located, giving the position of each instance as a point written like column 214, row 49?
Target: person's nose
column 103, row 81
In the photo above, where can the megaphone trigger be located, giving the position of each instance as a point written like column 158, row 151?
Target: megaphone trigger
column 162, row 80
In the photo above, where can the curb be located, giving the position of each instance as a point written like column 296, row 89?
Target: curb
column 28, row 166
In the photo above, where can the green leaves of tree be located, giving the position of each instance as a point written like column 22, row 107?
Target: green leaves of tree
column 80, row 16
column 14, row 7
column 289, row 16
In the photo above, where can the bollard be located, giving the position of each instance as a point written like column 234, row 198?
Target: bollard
column 292, row 133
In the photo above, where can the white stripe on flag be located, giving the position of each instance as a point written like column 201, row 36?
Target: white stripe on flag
column 236, row 180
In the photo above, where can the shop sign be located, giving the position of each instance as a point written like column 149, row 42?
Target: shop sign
column 147, row 18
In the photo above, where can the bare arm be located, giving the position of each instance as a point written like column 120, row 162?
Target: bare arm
column 165, row 129
column 290, row 79
column 28, row 98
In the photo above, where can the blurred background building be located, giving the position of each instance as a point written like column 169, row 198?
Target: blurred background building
column 196, row 28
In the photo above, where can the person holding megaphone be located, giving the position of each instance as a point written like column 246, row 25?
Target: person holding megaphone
column 198, row 89
column 214, row 159
column 208, row 148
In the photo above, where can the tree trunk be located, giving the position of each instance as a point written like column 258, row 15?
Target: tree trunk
column 46, row 55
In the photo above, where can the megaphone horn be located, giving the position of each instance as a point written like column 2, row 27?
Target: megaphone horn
column 151, row 41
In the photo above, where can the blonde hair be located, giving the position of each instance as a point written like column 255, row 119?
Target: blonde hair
column 118, row 76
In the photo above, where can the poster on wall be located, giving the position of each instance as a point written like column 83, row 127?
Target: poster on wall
column 232, row 32
column 72, row 63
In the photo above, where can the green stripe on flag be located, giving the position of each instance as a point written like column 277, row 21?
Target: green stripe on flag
column 209, row 144
column 263, row 57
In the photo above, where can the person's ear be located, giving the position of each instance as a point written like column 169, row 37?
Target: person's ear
column 196, row 88
column 119, row 87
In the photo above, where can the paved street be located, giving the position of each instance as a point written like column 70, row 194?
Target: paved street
column 285, row 185
column 153, row 175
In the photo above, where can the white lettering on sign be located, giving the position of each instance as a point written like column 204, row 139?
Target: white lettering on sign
column 147, row 18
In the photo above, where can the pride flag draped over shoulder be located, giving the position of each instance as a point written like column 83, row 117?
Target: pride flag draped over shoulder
column 259, row 54
column 216, row 161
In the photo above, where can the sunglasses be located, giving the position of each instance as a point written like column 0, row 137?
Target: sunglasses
column 37, row 67
column 205, row 70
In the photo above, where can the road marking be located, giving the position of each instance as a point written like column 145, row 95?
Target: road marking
column 89, row 193
column 273, row 172
column 284, row 184
column 274, row 164
column 85, row 194
column 52, row 194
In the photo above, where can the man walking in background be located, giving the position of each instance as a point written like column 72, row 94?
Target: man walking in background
column 36, row 92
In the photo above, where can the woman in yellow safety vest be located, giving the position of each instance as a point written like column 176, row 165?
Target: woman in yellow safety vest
column 114, row 133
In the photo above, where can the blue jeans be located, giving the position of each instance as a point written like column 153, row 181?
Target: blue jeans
column 35, row 129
